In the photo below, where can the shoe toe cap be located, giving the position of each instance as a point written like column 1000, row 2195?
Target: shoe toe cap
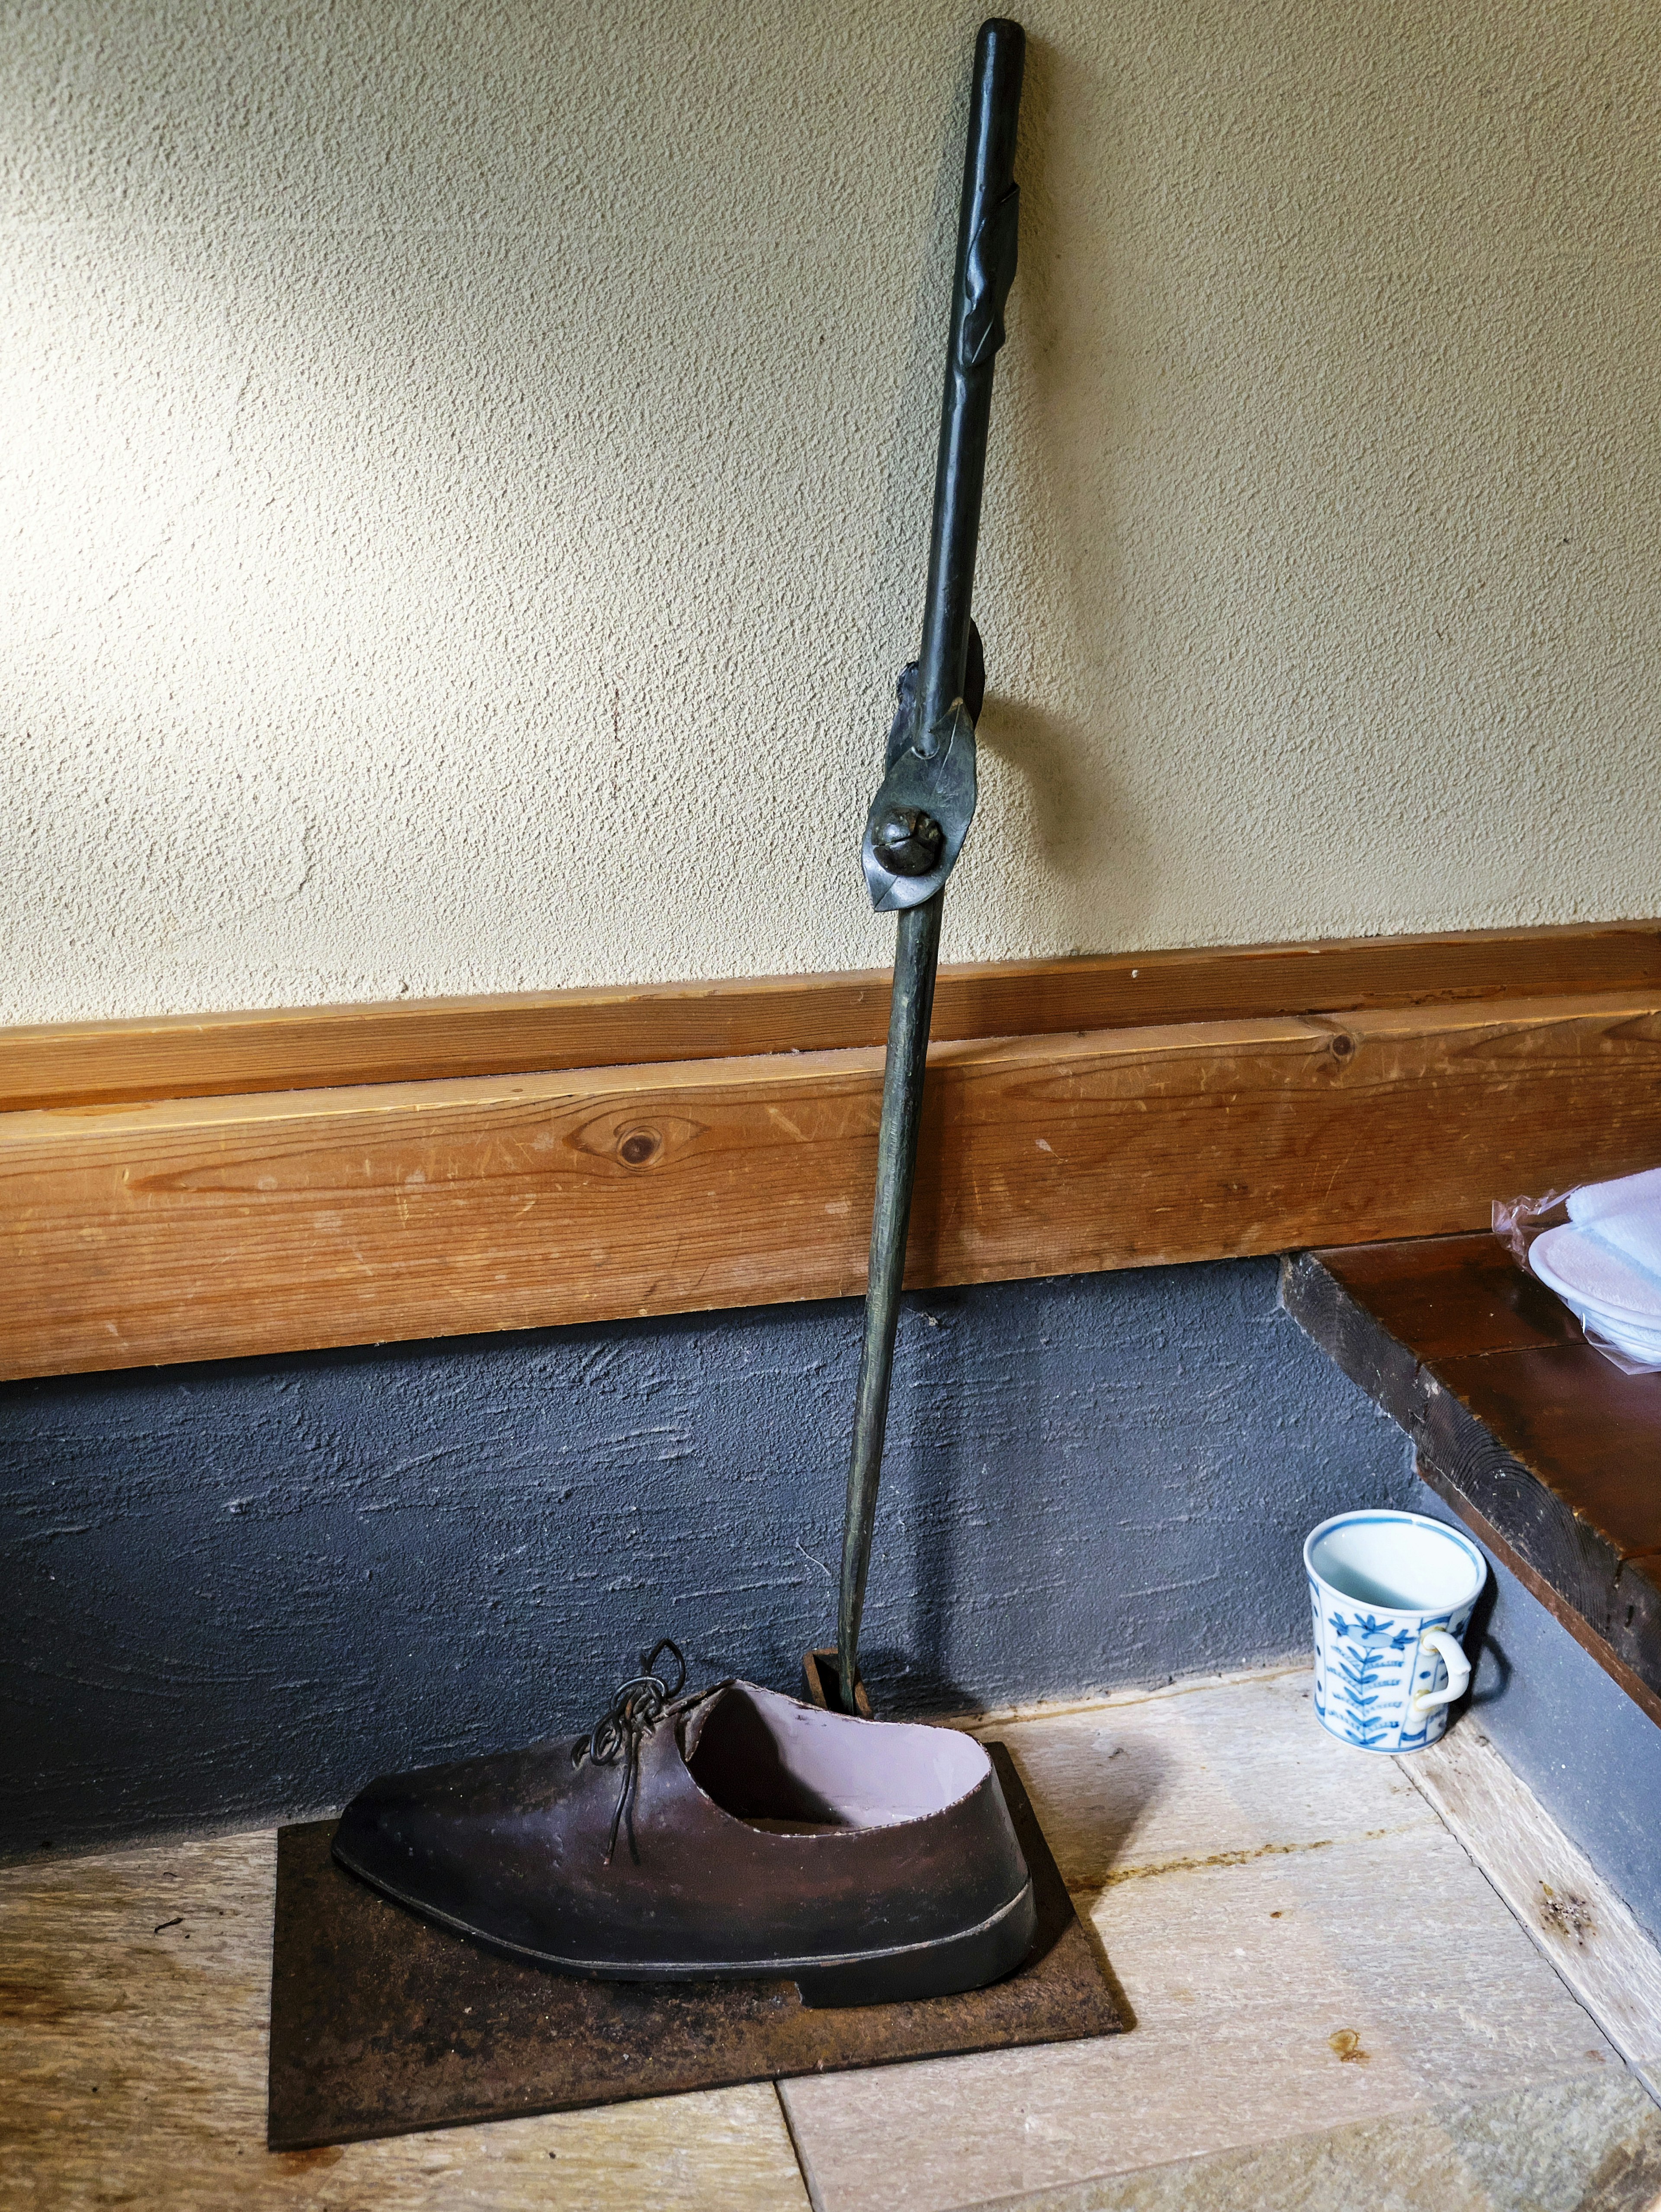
column 388, row 1831
column 429, row 1839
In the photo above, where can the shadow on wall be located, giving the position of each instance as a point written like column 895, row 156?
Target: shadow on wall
column 241, row 1589
column 1056, row 817
column 1062, row 816
column 1069, row 816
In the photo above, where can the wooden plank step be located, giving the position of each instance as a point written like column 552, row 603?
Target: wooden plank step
column 1550, row 1455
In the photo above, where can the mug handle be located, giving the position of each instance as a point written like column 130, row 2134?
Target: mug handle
column 1450, row 1649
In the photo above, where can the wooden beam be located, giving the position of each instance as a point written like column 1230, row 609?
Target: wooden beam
column 90, row 1063
column 199, row 1229
column 1594, row 1645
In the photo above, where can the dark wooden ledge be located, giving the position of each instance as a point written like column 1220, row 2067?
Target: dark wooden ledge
column 1549, row 1455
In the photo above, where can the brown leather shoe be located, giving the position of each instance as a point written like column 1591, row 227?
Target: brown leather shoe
column 732, row 1834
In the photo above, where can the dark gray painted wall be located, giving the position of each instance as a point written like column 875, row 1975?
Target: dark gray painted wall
column 239, row 1590
column 1589, row 1755
column 234, row 1592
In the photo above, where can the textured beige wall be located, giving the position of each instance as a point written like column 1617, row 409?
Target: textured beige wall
column 465, row 479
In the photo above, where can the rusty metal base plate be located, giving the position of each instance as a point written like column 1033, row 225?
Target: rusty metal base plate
column 382, row 2023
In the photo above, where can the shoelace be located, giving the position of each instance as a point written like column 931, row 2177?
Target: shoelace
column 635, row 1711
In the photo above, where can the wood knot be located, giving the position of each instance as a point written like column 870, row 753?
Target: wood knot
column 615, row 1140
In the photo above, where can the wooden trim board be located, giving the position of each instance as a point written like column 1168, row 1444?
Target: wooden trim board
column 1571, row 1913
column 407, row 1041
column 202, row 1228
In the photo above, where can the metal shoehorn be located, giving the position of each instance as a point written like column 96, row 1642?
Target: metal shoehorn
column 922, row 812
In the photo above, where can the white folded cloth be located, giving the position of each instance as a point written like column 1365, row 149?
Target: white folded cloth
column 1606, row 1294
column 1605, row 1264
column 1625, row 1213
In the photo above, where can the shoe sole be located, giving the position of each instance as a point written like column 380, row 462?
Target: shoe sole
column 946, row 1967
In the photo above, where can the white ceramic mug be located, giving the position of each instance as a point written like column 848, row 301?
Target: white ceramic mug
column 1391, row 1594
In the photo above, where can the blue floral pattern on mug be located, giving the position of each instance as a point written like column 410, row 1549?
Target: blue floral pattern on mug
column 1379, row 1657
column 1362, row 1666
column 1371, row 1661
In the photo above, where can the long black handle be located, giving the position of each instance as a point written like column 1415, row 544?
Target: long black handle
column 922, row 813
column 916, row 953
column 986, row 226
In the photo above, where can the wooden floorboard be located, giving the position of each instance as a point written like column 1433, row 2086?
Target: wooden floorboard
column 134, row 1998
column 1555, row 1893
column 208, row 1228
column 1333, row 2007
column 1306, row 1949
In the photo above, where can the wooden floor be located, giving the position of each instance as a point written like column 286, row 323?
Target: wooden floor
column 1335, row 2005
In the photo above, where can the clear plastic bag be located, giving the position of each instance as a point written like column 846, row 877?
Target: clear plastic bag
column 1517, row 1222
